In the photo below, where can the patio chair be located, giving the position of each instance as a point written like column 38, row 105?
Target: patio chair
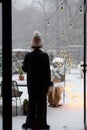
column 16, row 94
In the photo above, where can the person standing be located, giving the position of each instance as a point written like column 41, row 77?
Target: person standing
column 36, row 65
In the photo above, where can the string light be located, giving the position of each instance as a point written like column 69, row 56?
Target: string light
column 70, row 21
column 62, row 7
column 80, row 8
column 62, row 33
column 70, row 24
column 67, row 55
column 56, row 10
column 48, row 22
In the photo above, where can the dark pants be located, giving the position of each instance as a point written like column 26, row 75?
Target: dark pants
column 37, row 111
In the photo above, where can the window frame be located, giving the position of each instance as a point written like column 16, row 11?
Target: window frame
column 7, row 58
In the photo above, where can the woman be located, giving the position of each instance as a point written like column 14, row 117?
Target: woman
column 36, row 65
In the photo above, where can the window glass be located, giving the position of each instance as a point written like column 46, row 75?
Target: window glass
column 61, row 26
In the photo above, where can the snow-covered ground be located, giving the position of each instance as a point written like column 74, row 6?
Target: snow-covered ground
column 73, row 86
column 69, row 116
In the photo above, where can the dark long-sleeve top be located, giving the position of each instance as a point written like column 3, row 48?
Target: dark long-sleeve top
column 36, row 65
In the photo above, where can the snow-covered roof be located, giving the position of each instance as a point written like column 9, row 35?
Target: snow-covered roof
column 58, row 59
column 20, row 50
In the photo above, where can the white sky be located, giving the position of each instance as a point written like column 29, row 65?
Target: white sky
column 21, row 4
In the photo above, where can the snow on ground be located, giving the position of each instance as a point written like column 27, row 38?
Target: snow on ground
column 68, row 116
column 73, row 87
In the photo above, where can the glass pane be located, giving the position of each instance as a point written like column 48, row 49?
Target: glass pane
column 61, row 27
column 0, row 65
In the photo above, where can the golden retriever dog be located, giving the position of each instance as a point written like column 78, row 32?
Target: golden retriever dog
column 54, row 96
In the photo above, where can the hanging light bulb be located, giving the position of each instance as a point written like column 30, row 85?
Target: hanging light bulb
column 48, row 22
column 80, row 9
column 62, row 33
column 70, row 24
column 62, row 7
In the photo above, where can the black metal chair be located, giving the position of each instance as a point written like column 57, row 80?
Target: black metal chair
column 16, row 94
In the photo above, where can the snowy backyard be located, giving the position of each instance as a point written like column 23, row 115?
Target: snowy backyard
column 73, row 87
column 67, row 116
